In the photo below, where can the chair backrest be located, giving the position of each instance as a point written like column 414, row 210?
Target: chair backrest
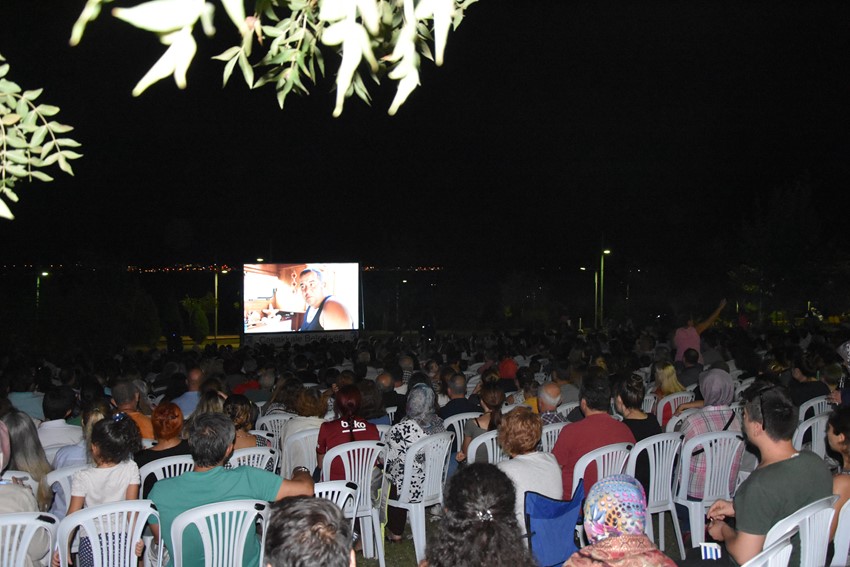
column 258, row 457
column 436, row 449
column 661, row 449
column 358, row 461
column 391, row 412
column 550, row 525
column 17, row 531
column 224, row 528
column 274, row 439
column 122, row 524
column 608, row 459
column 62, row 477
column 565, row 408
column 167, row 467
column 741, row 385
column 383, row 429
column 550, row 435
column 673, row 400
column 817, row 426
column 674, row 424
column 841, row 541
column 509, row 407
column 458, row 423
column 148, row 443
column 648, row 402
column 814, row 521
column 24, row 476
column 721, row 449
column 343, row 493
column 776, row 554
column 490, row 440
column 273, row 422
column 299, row 449
column 818, row 405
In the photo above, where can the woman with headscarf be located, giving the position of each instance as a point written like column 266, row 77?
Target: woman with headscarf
column 420, row 420
column 614, row 522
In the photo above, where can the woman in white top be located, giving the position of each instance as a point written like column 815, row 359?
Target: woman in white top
column 528, row 468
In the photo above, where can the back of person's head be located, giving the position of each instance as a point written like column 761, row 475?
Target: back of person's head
column 210, row 401
column 304, row 531
column 839, row 422
column 691, row 356
column 493, row 396
column 115, row 438
column 167, row 420
column 596, row 390
column 210, row 435
column 631, row 391
column 418, row 378
column 479, row 522
column 58, row 403
column 457, row 384
column 520, row 431
column 615, row 506
column 666, row 378
column 240, row 411
column 347, row 401
column 311, row 403
column 396, row 372
column 124, row 392
column 831, row 375
column 549, row 394
column 771, row 406
column 91, row 413
column 371, row 401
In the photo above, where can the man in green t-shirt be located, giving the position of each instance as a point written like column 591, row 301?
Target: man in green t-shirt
column 211, row 440
column 784, row 482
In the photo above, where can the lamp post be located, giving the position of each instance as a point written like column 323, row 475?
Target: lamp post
column 223, row 271
column 38, row 277
column 602, row 285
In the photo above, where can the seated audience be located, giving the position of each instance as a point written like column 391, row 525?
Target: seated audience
column 311, row 407
column 548, row 400
column 167, row 420
column 349, row 426
column 666, row 383
column 54, row 432
column 125, row 397
column 27, row 454
column 491, row 398
column 629, row 393
column 305, row 530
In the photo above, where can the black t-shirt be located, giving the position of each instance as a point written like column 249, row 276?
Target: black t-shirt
column 149, row 455
column 641, row 429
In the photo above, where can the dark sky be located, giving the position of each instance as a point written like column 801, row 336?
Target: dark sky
column 651, row 126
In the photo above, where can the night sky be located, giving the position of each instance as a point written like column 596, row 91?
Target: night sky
column 553, row 129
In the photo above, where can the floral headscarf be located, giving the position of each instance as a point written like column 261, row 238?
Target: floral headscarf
column 421, row 409
column 615, row 506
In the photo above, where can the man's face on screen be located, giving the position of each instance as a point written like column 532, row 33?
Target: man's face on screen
column 312, row 289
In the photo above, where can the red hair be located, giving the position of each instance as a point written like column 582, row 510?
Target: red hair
column 167, row 420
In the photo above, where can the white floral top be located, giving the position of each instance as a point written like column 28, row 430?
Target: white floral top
column 399, row 439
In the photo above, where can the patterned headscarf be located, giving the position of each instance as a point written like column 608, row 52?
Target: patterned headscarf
column 717, row 387
column 844, row 352
column 421, row 409
column 615, row 506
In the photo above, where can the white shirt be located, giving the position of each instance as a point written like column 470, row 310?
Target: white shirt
column 537, row 472
column 56, row 433
column 104, row 485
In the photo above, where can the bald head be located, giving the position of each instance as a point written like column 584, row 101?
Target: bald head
column 194, row 378
column 549, row 397
column 385, row 382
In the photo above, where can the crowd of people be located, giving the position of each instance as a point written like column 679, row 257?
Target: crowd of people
column 119, row 412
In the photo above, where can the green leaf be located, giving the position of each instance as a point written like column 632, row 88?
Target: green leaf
column 65, row 166
column 4, row 69
column 39, row 136
column 40, row 175
column 9, row 119
column 70, row 155
column 17, row 156
column 68, row 143
column 9, row 87
column 16, row 170
column 5, row 212
column 22, row 108
column 14, row 141
column 47, row 109
column 51, row 159
column 57, row 128
column 247, row 70
column 32, row 95
column 228, row 69
column 227, row 54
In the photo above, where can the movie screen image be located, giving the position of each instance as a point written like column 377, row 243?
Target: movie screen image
column 305, row 297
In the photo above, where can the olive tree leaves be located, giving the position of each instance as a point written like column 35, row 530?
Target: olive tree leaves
column 373, row 39
column 30, row 140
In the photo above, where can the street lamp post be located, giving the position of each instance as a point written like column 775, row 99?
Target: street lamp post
column 223, row 271
column 602, row 285
column 38, row 290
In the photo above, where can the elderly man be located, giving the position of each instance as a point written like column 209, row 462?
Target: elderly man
column 304, row 530
column 548, row 400
column 211, row 441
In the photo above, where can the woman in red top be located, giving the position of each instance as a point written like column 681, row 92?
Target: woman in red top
column 348, row 426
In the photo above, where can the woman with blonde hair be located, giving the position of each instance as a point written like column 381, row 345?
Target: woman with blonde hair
column 27, row 454
column 666, row 383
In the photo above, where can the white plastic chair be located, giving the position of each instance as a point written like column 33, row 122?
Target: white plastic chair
column 675, row 421
column 24, row 476
column 648, row 403
column 391, row 412
column 273, row 422
column 814, row 521
column 224, row 528
column 776, row 554
column 720, row 449
column 273, row 438
column 608, row 459
column 742, row 385
column 343, row 493
column 490, row 440
column 17, row 531
column 383, row 429
column 673, row 400
column 841, row 541
column 551, row 431
column 436, row 449
column 60, row 481
column 692, row 387
column 817, row 426
column 167, row 467
column 661, row 450
column 458, row 423
column 299, row 449
column 259, row 457
column 819, row 404
column 112, row 530
column 148, row 443
column 358, row 460
column 566, row 408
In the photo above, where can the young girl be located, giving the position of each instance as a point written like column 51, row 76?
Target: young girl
column 114, row 477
